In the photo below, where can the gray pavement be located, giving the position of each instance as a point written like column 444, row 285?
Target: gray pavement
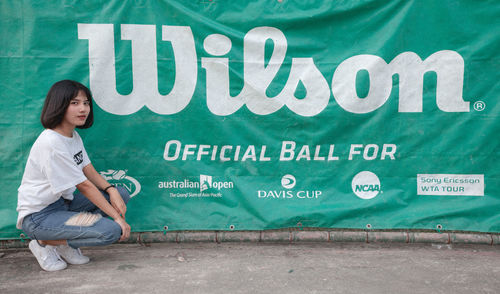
column 259, row 267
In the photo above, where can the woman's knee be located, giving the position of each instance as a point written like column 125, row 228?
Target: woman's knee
column 28, row 227
column 124, row 193
column 103, row 233
column 111, row 232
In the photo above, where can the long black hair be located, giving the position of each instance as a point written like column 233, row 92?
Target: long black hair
column 57, row 102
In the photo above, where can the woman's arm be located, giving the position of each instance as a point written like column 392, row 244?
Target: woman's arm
column 90, row 191
column 114, row 197
column 95, row 177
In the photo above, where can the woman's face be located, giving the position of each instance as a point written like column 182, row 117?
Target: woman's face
column 78, row 110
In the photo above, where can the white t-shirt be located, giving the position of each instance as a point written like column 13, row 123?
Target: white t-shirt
column 53, row 169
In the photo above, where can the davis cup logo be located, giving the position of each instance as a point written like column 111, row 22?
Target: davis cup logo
column 120, row 178
column 366, row 185
column 288, row 181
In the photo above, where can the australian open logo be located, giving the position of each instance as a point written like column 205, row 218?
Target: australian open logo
column 206, row 182
column 208, row 186
column 120, row 178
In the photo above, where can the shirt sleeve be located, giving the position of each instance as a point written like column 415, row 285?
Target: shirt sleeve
column 86, row 159
column 62, row 171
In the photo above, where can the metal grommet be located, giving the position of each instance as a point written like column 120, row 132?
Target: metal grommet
column 165, row 228
column 439, row 227
column 22, row 235
column 368, row 226
column 231, row 227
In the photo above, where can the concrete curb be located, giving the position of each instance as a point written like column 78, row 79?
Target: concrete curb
column 310, row 236
column 471, row 239
column 296, row 236
column 426, row 237
column 348, row 236
column 238, row 236
column 495, row 239
column 387, row 237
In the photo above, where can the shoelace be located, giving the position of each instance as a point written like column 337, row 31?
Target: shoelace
column 71, row 251
column 52, row 254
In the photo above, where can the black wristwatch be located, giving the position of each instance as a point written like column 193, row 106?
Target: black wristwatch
column 106, row 189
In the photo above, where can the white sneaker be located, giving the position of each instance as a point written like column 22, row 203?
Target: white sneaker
column 71, row 255
column 47, row 257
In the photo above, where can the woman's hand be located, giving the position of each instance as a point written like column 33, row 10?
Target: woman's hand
column 98, row 181
column 116, row 209
column 125, row 228
column 117, row 202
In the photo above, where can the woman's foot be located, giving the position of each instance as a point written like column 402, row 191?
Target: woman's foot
column 47, row 257
column 71, row 255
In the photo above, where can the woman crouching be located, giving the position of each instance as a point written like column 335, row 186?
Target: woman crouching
column 58, row 220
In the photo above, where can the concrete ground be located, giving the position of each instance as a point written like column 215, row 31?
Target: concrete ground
column 263, row 268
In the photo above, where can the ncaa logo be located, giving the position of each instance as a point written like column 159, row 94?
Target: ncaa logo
column 366, row 185
column 288, row 181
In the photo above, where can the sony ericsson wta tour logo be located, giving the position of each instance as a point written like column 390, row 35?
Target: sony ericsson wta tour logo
column 120, row 178
column 258, row 75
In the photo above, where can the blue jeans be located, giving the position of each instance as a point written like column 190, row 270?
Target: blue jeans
column 50, row 222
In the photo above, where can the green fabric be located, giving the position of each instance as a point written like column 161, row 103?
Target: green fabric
column 418, row 77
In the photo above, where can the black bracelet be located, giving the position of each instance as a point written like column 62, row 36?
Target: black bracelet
column 106, row 189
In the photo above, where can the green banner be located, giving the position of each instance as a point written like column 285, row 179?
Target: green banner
column 228, row 115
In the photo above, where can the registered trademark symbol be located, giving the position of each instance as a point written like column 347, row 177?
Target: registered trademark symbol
column 479, row 105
